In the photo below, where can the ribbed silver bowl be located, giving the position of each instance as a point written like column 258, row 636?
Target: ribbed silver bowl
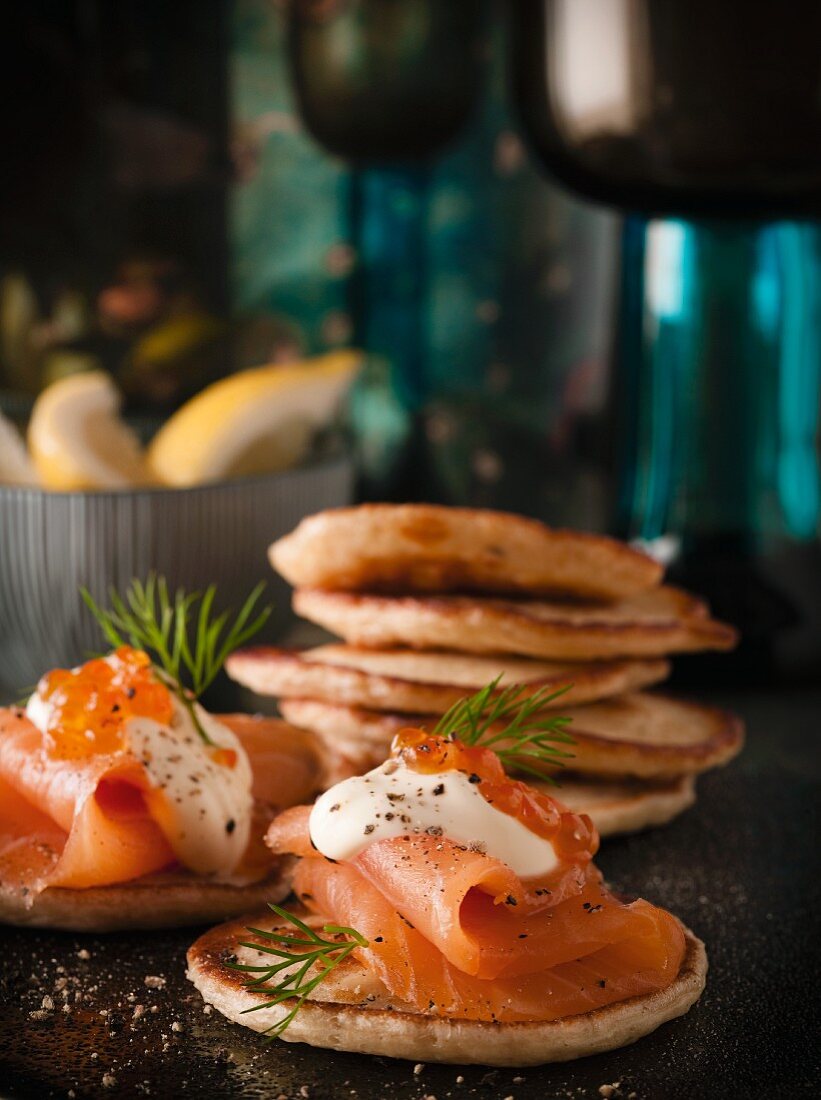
column 52, row 544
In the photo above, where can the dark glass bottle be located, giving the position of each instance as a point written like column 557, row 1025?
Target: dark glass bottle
column 384, row 81
column 709, row 113
column 692, row 107
column 387, row 84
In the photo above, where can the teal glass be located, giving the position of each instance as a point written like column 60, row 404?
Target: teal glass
column 389, row 286
column 720, row 369
column 700, row 122
column 728, row 326
column 387, row 84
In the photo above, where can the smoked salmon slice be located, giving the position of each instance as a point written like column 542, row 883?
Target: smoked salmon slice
column 98, row 805
column 456, row 933
column 84, row 822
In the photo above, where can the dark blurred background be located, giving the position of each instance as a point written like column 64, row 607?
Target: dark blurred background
column 194, row 188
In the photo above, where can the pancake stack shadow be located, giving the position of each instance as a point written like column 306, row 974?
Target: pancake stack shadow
column 433, row 603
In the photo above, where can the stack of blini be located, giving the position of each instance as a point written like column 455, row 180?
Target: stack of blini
column 434, row 603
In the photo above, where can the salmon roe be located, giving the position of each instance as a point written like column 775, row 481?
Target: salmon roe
column 573, row 836
column 89, row 706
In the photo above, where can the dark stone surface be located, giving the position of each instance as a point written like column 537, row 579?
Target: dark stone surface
column 741, row 869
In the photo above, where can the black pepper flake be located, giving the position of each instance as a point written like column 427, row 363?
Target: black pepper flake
column 389, row 817
column 439, row 788
column 523, row 935
column 334, row 807
column 602, row 983
column 393, row 797
column 379, row 939
column 474, row 778
column 586, row 905
column 510, row 900
column 130, row 693
column 369, row 829
column 434, row 830
column 594, row 908
column 230, row 825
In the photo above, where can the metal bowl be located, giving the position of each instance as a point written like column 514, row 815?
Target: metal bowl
column 52, row 544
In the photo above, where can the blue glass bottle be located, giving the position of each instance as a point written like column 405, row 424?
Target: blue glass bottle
column 703, row 122
column 719, row 369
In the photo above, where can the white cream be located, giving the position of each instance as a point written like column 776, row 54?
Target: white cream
column 394, row 800
column 203, row 807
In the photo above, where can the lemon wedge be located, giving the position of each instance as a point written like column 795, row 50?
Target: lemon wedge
column 16, row 468
column 258, row 421
column 77, row 439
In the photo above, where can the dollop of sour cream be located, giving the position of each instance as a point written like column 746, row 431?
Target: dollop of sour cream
column 202, row 804
column 203, row 807
column 394, row 800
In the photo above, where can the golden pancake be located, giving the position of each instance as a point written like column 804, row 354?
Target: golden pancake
column 351, row 1010
column 425, row 682
column 431, row 548
column 642, row 735
column 661, row 621
column 169, row 899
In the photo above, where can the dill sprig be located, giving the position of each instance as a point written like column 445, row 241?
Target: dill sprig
column 149, row 618
column 297, row 955
column 514, row 727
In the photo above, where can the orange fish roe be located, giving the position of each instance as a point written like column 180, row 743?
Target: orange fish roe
column 573, row 836
column 89, row 706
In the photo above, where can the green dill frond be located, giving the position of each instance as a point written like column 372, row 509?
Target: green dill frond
column 148, row 617
column 513, row 724
column 297, row 956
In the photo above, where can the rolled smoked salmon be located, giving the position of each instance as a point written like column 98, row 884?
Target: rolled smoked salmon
column 454, row 932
